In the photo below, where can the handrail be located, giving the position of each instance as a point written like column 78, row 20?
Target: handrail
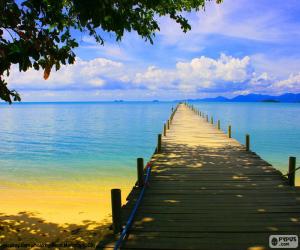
column 292, row 171
column 133, row 212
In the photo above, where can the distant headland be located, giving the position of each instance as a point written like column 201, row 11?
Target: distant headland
column 288, row 97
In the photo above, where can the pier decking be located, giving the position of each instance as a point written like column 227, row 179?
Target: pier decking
column 207, row 192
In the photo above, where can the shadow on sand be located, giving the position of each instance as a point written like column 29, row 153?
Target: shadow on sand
column 27, row 231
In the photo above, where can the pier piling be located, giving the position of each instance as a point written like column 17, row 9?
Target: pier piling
column 116, row 210
column 159, row 143
column 140, row 171
column 229, row 131
column 292, row 169
column 247, row 142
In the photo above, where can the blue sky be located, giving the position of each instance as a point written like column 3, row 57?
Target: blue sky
column 238, row 47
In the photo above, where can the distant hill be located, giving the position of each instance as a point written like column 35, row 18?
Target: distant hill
column 289, row 97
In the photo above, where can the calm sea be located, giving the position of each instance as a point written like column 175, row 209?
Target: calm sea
column 274, row 128
column 99, row 142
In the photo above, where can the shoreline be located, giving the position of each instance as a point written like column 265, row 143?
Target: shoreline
column 62, row 206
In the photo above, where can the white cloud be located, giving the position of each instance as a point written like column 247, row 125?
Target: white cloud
column 199, row 73
column 224, row 75
column 225, row 68
column 262, row 79
column 292, row 83
column 97, row 82
column 154, row 78
column 252, row 20
column 80, row 75
column 279, row 66
column 109, row 50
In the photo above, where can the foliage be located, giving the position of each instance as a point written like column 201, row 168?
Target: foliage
column 39, row 33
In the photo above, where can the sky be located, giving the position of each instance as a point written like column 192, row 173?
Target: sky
column 237, row 47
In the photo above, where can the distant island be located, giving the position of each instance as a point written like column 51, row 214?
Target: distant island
column 269, row 100
column 289, row 97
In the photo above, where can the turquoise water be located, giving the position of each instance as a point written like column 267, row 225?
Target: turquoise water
column 77, row 141
column 274, row 128
column 49, row 142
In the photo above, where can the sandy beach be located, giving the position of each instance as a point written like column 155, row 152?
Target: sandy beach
column 40, row 217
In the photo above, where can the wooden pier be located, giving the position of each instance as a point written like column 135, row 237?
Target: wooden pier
column 207, row 191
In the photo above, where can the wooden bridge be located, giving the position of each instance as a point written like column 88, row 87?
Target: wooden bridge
column 206, row 191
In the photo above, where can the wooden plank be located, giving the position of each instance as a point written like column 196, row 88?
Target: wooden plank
column 207, row 192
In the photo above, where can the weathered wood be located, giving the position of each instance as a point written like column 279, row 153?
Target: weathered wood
column 219, row 124
column 165, row 130
column 229, row 131
column 158, row 148
column 247, row 142
column 207, row 192
column 140, row 171
column 292, row 168
column 116, row 210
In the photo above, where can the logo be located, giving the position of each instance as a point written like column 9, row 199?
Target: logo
column 283, row 241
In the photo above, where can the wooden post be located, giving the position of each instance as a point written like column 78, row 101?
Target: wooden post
column 116, row 210
column 292, row 168
column 207, row 118
column 140, row 171
column 165, row 129
column 200, row 113
column 212, row 120
column 159, row 143
column 219, row 124
column 229, row 131
column 168, row 124
column 247, row 142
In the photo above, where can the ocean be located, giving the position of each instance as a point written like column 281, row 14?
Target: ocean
column 274, row 128
column 83, row 147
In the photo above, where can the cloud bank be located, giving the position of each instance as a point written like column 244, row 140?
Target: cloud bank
column 201, row 75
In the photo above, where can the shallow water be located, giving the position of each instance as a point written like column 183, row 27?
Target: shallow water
column 96, row 144
column 274, row 128
column 50, row 142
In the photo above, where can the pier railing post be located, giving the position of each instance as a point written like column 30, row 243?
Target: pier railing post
column 247, row 142
column 212, row 120
column 140, row 171
column 165, row 129
column 168, row 126
column 219, row 124
column 292, row 169
column 207, row 118
column 229, row 131
column 116, row 210
column 159, row 143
